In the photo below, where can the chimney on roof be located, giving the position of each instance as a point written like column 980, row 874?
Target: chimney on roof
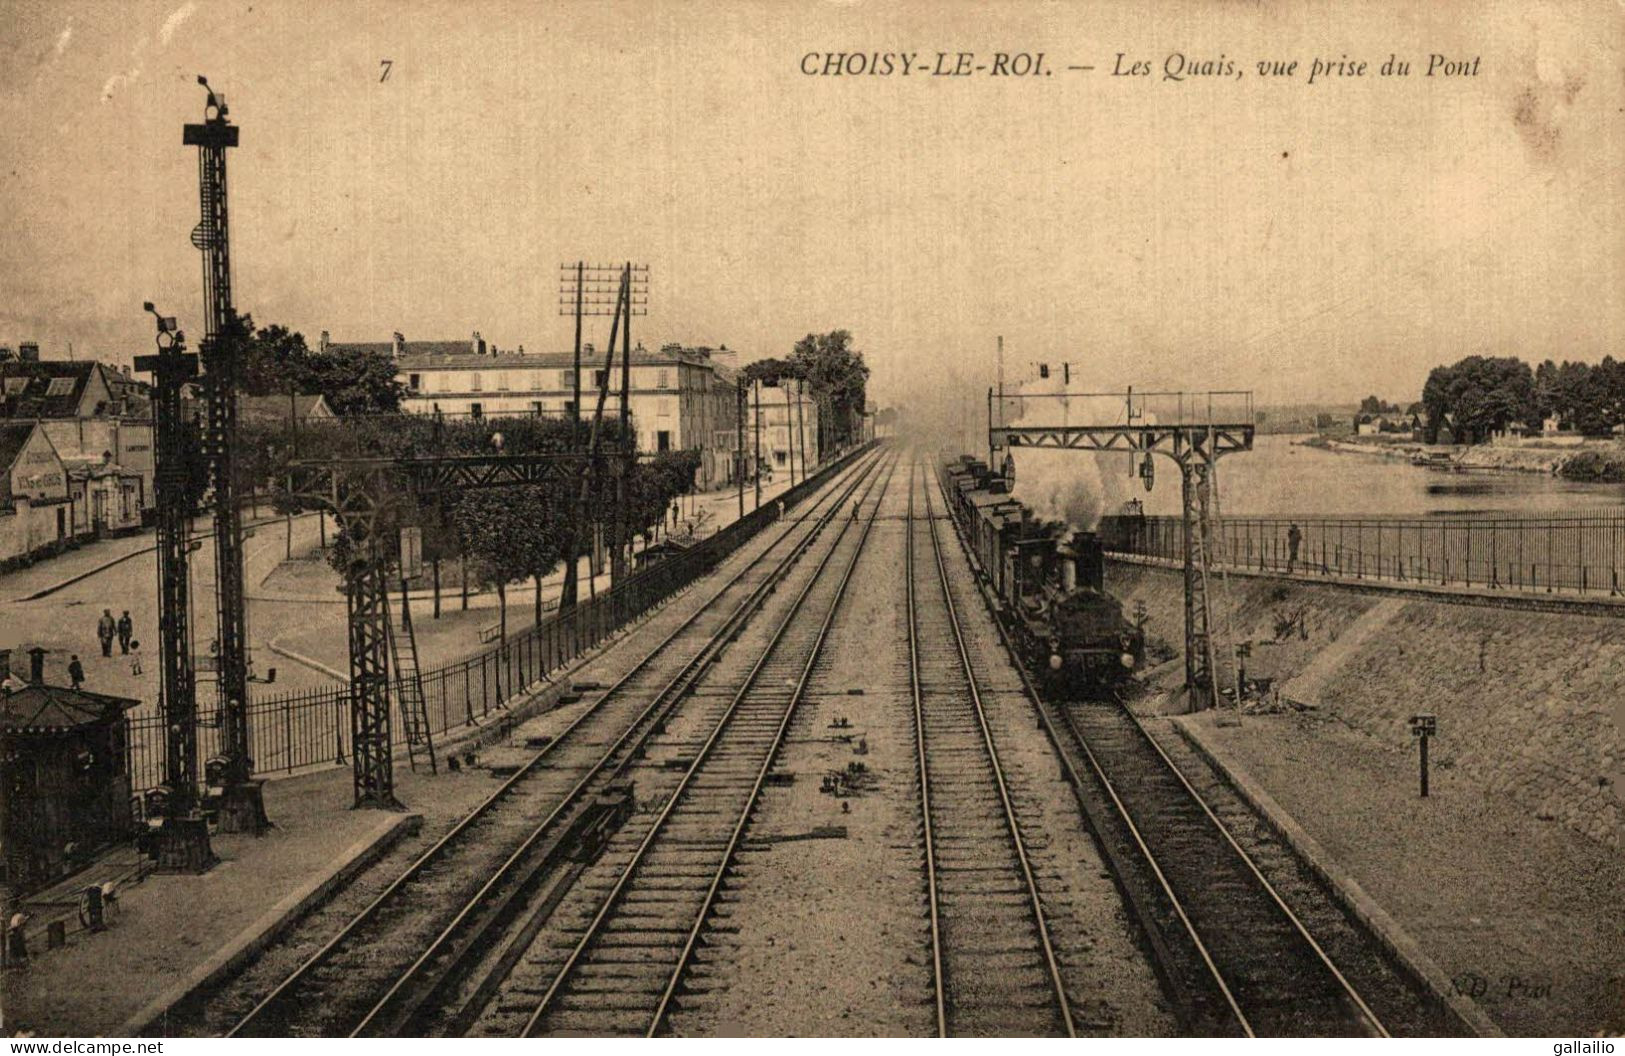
column 36, row 666
column 521, row 350
column 476, row 344
column 322, row 342
column 28, row 352
column 397, row 344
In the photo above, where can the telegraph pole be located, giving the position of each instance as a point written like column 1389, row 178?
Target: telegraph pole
column 629, row 445
column 598, row 290
column 242, row 806
column 183, row 839
column 617, row 291
column 572, row 557
column 739, row 444
column 756, row 428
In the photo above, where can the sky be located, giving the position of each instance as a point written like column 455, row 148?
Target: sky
column 1309, row 242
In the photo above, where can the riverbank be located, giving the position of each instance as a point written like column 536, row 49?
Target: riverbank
column 1590, row 461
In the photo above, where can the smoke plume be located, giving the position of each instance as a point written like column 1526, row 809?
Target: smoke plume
column 1075, row 487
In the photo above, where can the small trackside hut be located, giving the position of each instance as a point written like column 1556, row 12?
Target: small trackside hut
column 66, row 784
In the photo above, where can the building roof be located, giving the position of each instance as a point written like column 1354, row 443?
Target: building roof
column 44, row 389
column 275, row 408
column 13, row 436
column 57, row 709
column 419, row 355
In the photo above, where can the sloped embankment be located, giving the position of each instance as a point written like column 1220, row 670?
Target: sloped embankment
column 1525, row 699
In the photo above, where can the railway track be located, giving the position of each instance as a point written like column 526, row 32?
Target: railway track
column 408, row 952
column 1236, row 956
column 615, row 957
column 994, row 967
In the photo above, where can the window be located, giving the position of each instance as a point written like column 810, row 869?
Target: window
column 15, row 386
column 474, row 383
column 537, row 407
column 663, row 441
column 502, row 380
column 474, row 409
column 663, row 380
column 414, row 382
column 60, row 387
column 665, row 409
column 569, row 407
column 567, row 379
column 598, row 377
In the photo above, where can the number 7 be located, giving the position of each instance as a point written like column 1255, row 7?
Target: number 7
column 386, row 63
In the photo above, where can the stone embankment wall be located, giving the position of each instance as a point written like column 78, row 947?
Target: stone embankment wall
column 1530, row 704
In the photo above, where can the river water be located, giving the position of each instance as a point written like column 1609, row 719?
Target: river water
column 1280, row 477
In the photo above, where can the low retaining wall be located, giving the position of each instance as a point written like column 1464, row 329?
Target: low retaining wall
column 1528, row 702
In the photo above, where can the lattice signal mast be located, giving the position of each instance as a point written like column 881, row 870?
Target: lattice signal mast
column 184, row 837
column 241, row 804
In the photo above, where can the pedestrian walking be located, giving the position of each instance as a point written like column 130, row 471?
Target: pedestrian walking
column 106, row 628
column 1294, row 538
column 781, row 509
column 135, row 657
column 126, row 630
column 76, row 671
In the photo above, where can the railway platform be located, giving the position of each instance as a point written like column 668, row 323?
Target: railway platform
column 170, row 932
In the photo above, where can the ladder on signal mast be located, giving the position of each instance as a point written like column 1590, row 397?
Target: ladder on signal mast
column 403, row 658
column 1201, row 668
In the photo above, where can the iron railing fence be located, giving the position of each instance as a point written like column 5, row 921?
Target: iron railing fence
column 1581, row 554
column 293, row 731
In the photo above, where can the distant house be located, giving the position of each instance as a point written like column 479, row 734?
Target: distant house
column 35, row 514
column 96, row 417
column 1447, row 431
column 273, row 409
column 54, row 389
column 1368, row 424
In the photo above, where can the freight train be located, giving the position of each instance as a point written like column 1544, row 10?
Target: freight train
column 1048, row 583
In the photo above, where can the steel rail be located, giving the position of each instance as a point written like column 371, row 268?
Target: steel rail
column 1366, row 1014
column 740, row 826
column 1077, row 784
column 666, row 699
column 848, row 479
column 612, row 898
column 928, row 833
column 1348, row 988
column 1020, row 846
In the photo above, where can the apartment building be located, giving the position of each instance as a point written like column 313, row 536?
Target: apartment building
column 679, row 398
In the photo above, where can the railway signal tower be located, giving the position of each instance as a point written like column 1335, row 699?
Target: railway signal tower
column 1194, row 429
column 240, row 800
column 183, row 835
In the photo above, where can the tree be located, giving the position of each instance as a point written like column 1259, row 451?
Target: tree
column 275, row 360
column 838, row 379
column 508, row 534
column 1480, row 394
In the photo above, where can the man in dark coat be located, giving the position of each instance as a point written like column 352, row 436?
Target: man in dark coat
column 76, row 671
column 126, row 631
column 105, row 630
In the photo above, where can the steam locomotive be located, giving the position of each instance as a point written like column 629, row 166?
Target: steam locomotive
column 1049, row 585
